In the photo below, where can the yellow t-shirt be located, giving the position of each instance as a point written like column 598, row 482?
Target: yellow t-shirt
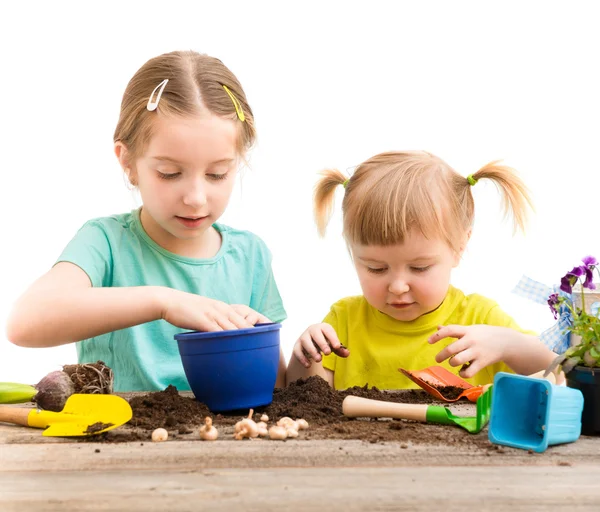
column 379, row 344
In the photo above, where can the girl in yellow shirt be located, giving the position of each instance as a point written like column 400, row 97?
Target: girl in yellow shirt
column 407, row 217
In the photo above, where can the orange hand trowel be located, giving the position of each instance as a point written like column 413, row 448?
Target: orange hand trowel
column 82, row 415
column 436, row 378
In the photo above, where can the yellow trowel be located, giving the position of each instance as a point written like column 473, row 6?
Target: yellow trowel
column 82, row 415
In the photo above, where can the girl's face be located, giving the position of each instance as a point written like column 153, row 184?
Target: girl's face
column 407, row 280
column 185, row 178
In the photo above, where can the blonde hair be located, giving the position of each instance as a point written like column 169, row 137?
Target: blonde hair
column 393, row 193
column 195, row 86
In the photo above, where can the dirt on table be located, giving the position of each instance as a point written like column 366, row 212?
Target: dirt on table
column 311, row 399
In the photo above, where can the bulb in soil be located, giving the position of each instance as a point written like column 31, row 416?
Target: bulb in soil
column 287, row 423
column 246, row 427
column 264, row 418
column 302, row 424
column 291, row 432
column 53, row 391
column 278, row 433
column 207, row 431
column 262, row 429
column 159, row 435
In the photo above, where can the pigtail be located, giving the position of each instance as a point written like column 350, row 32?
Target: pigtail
column 516, row 200
column 324, row 196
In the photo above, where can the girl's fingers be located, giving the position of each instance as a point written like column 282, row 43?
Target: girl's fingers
column 320, row 342
column 225, row 323
column 333, row 340
column 300, row 354
column 239, row 321
column 262, row 319
column 309, row 347
column 448, row 331
column 253, row 318
column 451, row 350
column 461, row 358
column 470, row 370
column 210, row 325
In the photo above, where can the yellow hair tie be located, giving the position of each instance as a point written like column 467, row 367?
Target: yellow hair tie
column 238, row 108
column 472, row 181
column 346, row 183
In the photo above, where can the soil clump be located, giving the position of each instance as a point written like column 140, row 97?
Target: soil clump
column 311, row 399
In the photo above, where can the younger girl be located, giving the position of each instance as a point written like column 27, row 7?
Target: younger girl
column 407, row 218
column 126, row 284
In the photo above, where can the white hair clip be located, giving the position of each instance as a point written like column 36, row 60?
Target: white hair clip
column 152, row 105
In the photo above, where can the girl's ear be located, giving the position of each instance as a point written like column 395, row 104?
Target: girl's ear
column 124, row 160
column 463, row 246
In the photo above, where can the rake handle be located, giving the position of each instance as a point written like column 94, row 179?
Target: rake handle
column 354, row 406
column 18, row 415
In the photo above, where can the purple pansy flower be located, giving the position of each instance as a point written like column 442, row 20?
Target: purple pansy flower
column 590, row 261
column 567, row 282
column 589, row 265
column 553, row 303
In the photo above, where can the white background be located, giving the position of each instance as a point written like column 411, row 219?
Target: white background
column 331, row 84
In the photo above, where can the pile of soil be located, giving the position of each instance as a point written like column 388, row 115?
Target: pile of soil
column 311, row 399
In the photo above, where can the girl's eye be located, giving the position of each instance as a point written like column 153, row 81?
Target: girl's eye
column 168, row 176
column 376, row 270
column 217, row 177
column 421, row 269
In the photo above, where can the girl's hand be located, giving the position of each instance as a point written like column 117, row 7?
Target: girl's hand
column 254, row 317
column 477, row 346
column 316, row 339
column 198, row 313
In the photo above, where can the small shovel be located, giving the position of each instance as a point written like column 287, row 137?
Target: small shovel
column 354, row 406
column 83, row 415
column 433, row 378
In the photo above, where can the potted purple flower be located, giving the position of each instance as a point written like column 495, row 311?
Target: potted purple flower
column 581, row 361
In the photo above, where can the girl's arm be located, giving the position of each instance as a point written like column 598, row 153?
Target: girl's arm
column 62, row 307
column 296, row 370
column 483, row 345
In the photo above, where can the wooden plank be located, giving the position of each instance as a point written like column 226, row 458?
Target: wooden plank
column 308, row 489
column 193, row 455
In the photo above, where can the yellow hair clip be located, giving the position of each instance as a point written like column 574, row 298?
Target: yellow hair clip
column 238, row 107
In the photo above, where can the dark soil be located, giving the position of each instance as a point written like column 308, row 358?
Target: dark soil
column 90, row 378
column 450, row 392
column 311, row 399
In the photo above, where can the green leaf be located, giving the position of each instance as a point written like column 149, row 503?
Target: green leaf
column 13, row 393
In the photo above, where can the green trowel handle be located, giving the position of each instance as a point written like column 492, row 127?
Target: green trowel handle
column 438, row 414
column 13, row 393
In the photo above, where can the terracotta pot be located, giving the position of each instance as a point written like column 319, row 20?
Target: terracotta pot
column 587, row 380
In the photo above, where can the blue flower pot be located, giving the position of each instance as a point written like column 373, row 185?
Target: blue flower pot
column 230, row 370
column 532, row 414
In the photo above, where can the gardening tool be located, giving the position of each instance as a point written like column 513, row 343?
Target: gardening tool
column 354, row 406
column 13, row 393
column 432, row 378
column 532, row 413
column 83, row 415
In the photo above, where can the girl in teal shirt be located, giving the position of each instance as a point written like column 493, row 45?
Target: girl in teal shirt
column 126, row 284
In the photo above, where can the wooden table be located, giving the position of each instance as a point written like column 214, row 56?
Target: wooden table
column 52, row 474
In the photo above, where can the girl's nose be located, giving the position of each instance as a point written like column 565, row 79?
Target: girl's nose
column 194, row 193
column 398, row 286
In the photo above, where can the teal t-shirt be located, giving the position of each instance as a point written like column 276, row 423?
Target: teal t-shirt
column 116, row 251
